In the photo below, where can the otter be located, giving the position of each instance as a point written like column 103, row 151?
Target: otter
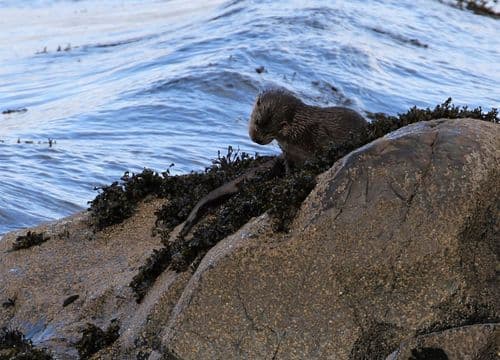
column 301, row 130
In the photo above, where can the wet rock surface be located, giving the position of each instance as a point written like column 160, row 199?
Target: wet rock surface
column 394, row 253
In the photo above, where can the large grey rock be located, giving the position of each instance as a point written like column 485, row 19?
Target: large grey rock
column 400, row 237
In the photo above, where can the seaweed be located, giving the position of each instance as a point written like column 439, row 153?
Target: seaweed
column 95, row 339
column 15, row 346
column 30, row 239
column 119, row 200
column 449, row 111
column 111, row 206
column 383, row 124
column 154, row 266
column 138, row 186
column 287, row 195
column 252, row 200
column 278, row 193
column 185, row 191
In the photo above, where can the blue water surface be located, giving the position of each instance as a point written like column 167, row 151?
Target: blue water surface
column 148, row 83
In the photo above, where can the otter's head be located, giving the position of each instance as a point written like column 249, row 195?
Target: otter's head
column 273, row 110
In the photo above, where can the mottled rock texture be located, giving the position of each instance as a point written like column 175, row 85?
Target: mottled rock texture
column 393, row 254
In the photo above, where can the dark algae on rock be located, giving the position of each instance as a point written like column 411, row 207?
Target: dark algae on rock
column 157, row 262
column 29, row 240
column 267, row 190
column 15, row 346
column 183, row 192
column 95, row 339
column 118, row 201
column 383, row 124
column 271, row 190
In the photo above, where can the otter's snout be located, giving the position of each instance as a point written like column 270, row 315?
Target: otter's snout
column 255, row 132
column 257, row 137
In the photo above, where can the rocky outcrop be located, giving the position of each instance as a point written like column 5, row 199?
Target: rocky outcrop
column 393, row 254
column 398, row 238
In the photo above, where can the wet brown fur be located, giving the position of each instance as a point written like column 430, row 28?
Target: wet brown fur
column 301, row 130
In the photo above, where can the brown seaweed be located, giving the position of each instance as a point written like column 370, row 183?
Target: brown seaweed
column 30, row 239
column 95, row 339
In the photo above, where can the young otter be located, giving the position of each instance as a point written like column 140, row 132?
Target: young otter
column 301, row 130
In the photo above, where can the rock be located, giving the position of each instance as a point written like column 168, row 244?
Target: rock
column 398, row 238
column 96, row 266
column 394, row 253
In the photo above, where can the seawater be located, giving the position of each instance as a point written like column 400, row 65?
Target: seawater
column 148, row 83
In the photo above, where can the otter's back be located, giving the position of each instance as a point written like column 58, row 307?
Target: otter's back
column 332, row 124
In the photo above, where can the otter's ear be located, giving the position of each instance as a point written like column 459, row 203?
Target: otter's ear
column 258, row 101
